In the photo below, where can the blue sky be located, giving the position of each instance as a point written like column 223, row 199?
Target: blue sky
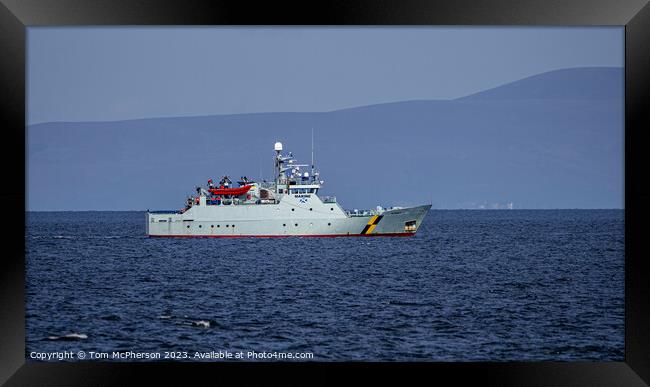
column 115, row 73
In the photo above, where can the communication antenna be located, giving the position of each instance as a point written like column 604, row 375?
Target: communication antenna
column 278, row 149
column 312, row 152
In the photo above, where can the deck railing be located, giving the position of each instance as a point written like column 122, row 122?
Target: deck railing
column 329, row 199
column 361, row 212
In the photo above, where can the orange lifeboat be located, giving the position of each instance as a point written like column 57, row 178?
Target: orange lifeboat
column 230, row 191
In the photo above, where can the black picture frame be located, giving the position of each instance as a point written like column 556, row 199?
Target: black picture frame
column 17, row 15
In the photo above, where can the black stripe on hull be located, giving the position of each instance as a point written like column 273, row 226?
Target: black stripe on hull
column 371, row 224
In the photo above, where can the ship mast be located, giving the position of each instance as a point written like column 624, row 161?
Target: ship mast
column 312, row 154
column 278, row 162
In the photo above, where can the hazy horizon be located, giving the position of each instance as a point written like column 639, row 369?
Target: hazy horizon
column 432, row 209
column 479, row 117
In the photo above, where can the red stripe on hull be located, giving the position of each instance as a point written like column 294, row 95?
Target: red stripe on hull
column 400, row 234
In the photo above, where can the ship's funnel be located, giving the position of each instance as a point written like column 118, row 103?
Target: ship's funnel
column 278, row 146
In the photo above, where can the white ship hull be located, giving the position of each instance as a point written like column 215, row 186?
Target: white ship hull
column 292, row 216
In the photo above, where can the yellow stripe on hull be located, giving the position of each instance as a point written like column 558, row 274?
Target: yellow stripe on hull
column 372, row 223
column 371, row 228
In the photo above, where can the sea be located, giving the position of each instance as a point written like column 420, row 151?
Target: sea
column 471, row 285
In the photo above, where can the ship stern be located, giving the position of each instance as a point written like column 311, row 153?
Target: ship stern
column 147, row 219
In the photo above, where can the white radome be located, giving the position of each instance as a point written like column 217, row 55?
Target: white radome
column 278, row 146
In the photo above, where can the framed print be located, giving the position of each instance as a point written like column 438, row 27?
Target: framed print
column 396, row 187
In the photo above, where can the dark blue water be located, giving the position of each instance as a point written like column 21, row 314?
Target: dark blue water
column 471, row 285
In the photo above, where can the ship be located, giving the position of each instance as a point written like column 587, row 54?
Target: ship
column 287, row 206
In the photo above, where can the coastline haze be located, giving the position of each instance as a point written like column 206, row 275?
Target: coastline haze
column 551, row 140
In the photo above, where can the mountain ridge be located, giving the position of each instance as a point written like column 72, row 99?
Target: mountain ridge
column 537, row 153
column 594, row 76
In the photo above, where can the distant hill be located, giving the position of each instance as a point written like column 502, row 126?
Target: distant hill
column 575, row 83
column 554, row 140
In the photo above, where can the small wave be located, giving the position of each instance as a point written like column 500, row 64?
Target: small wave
column 111, row 317
column 200, row 322
column 407, row 303
column 197, row 323
column 81, row 237
column 68, row 337
column 280, row 337
column 190, row 321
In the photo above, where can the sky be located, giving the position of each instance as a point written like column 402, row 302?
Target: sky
column 117, row 73
column 561, row 153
